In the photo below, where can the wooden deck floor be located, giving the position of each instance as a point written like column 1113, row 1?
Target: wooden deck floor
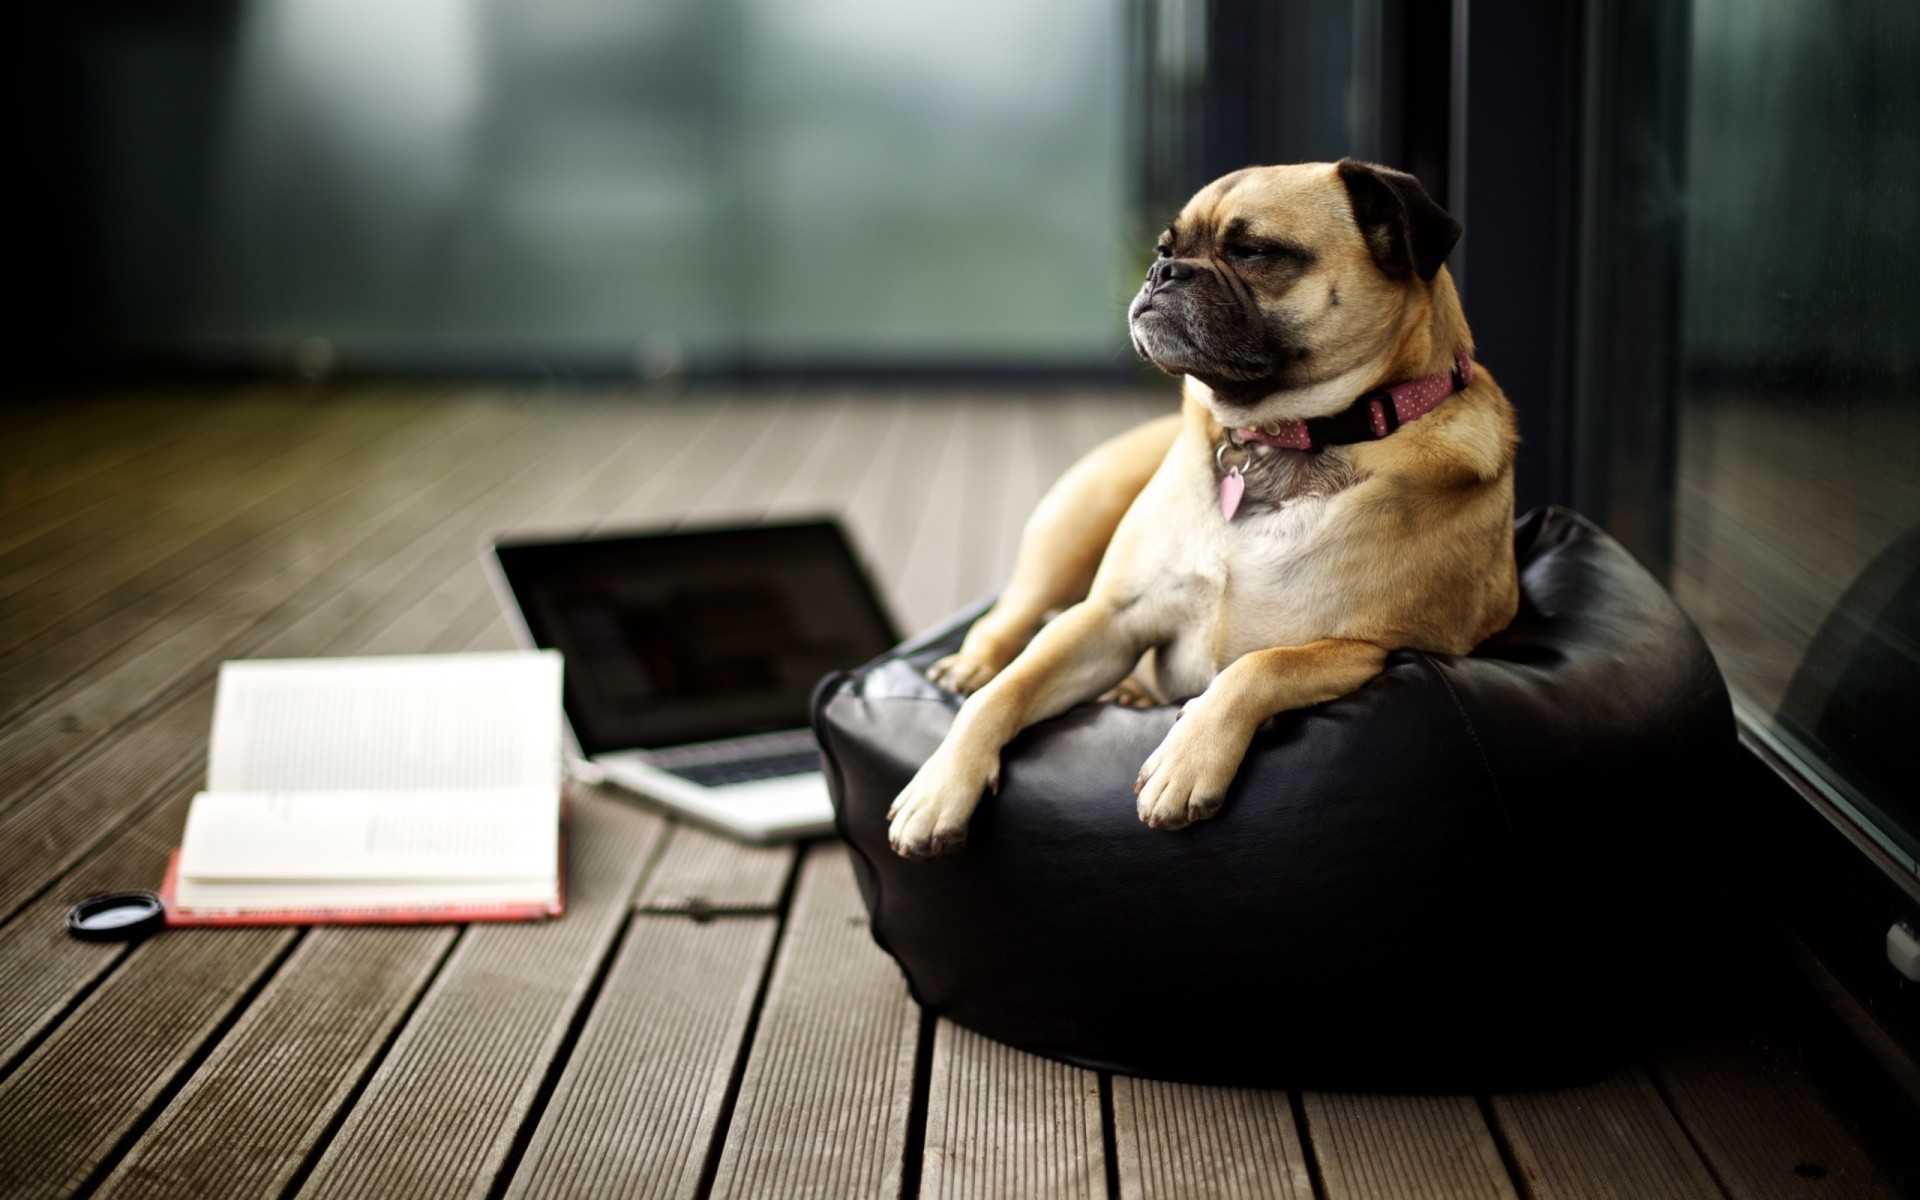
column 627, row 1049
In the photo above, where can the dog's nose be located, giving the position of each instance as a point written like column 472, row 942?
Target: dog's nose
column 1167, row 270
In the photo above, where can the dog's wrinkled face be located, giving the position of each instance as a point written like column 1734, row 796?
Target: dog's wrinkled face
column 1273, row 279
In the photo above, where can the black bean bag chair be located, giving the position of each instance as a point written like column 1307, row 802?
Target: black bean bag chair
column 1457, row 878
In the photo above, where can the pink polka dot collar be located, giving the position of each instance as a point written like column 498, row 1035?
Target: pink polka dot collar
column 1374, row 415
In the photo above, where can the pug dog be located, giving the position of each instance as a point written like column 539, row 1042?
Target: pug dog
column 1337, row 485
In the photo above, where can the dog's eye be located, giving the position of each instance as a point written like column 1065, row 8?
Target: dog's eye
column 1262, row 252
column 1163, row 251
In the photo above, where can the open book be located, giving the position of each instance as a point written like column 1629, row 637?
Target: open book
column 377, row 789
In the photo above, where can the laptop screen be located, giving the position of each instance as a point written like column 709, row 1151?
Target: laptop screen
column 699, row 635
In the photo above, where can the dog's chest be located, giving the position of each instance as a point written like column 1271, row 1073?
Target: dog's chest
column 1243, row 585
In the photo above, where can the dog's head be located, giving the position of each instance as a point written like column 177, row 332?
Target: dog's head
column 1274, row 279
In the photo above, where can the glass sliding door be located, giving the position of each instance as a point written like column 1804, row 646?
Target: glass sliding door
column 1752, row 328
column 483, row 183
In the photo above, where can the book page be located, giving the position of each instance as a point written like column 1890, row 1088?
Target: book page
column 416, row 836
column 369, row 896
column 455, row 721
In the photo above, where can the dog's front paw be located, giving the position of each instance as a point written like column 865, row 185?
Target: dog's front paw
column 963, row 673
column 1187, row 778
column 929, row 816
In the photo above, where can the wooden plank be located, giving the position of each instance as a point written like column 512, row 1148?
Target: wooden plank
column 863, row 503
column 678, row 457
column 40, row 429
column 251, row 1114
column 161, row 491
column 439, row 1116
column 43, row 837
column 137, row 1032
column 1176, row 1139
column 45, row 969
column 63, row 481
column 824, row 1103
column 1613, row 1138
column 929, row 579
column 1027, row 479
column 1376, row 1147
column 638, row 1110
column 245, row 572
column 144, row 676
column 822, row 480
column 83, row 1089
column 985, row 495
column 732, row 467
column 156, row 560
column 892, row 497
column 1761, row 1123
column 245, row 475
column 48, row 472
column 705, row 873
column 768, row 439
column 1001, row 1122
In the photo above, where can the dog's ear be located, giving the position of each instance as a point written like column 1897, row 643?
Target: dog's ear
column 1404, row 228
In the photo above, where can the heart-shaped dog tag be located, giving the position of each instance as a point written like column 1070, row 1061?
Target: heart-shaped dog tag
column 1232, row 487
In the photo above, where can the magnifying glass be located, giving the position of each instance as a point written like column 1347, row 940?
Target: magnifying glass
column 116, row 917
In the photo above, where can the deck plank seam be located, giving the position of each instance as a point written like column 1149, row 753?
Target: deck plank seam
column 1309, row 1156
column 26, row 1050
column 1109, row 1136
column 1518, row 1177
column 169, row 786
column 1686, row 1131
column 563, row 1054
column 737, row 1073
column 918, row 1107
column 188, row 1065
column 556, row 1065
column 298, row 1178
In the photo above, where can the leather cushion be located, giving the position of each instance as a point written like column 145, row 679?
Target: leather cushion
column 1454, row 878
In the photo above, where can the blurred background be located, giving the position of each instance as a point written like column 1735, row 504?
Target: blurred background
column 1691, row 247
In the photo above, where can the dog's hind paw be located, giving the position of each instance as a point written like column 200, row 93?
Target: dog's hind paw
column 1130, row 693
column 962, row 673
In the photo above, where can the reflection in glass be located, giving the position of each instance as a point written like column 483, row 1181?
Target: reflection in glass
column 1797, row 507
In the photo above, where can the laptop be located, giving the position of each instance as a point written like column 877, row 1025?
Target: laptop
column 691, row 656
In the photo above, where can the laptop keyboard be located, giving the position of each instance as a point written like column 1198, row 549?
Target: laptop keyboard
column 773, row 756
column 745, row 770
